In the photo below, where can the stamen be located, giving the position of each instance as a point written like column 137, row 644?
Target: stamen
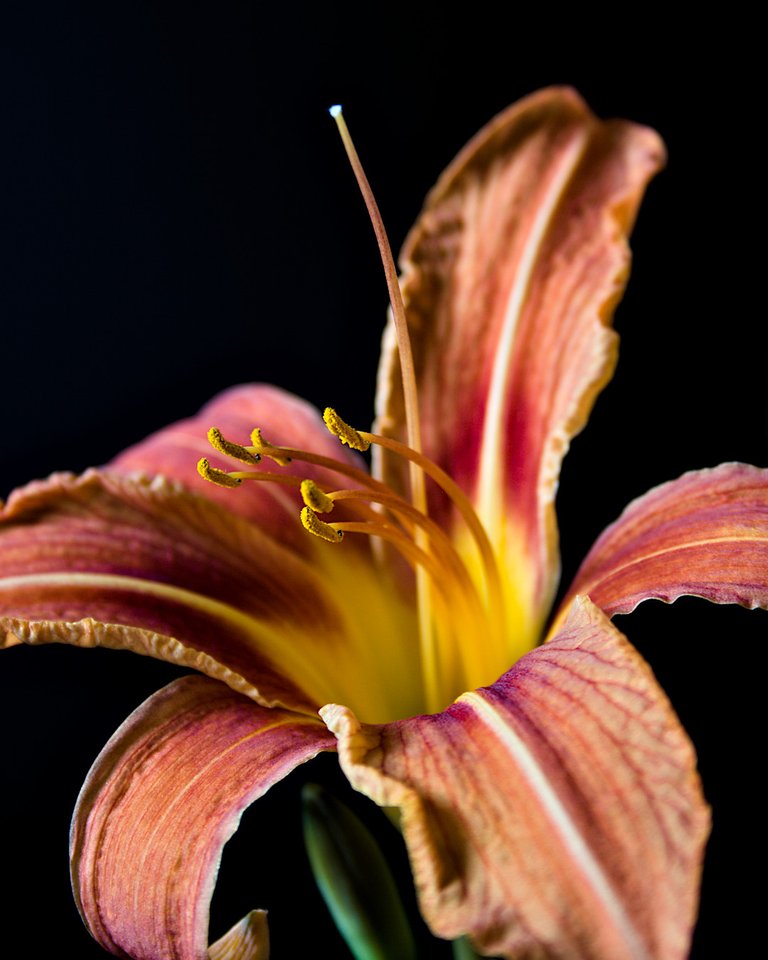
column 266, row 449
column 448, row 584
column 414, row 554
column 339, row 428
column 219, row 477
column 337, row 466
column 314, row 497
column 229, row 449
column 266, row 476
column 323, row 530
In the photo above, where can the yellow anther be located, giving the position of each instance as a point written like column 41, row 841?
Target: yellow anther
column 343, row 431
column 267, row 450
column 314, row 497
column 323, row 530
column 207, row 472
column 229, row 449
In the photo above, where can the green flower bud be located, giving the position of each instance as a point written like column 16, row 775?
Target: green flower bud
column 354, row 880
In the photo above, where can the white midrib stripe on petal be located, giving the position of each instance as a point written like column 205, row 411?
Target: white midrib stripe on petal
column 111, row 581
column 558, row 816
column 490, row 456
column 316, row 675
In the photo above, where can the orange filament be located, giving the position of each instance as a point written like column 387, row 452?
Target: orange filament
column 379, row 493
column 265, row 449
column 462, row 504
column 438, row 540
column 318, row 500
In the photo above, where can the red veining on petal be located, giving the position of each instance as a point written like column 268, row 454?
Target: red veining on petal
column 510, row 278
column 146, row 565
column 704, row 534
column 558, row 809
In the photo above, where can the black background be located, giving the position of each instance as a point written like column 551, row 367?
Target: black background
column 177, row 215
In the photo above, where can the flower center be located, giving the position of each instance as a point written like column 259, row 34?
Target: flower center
column 465, row 597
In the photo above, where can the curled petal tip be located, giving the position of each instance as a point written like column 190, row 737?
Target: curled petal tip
column 247, row 940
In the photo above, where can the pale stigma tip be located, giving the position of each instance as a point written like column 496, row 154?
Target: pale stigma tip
column 335, row 110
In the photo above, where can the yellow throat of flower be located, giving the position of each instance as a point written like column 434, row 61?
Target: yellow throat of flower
column 464, row 602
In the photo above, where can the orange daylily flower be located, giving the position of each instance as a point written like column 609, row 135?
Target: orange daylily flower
column 547, row 793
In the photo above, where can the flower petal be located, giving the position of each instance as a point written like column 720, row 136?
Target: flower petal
column 704, row 534
column 159, row 804
column 159, row 570
column 285, row 419
column 510, row 278
column 558, row 810
column 247, row 940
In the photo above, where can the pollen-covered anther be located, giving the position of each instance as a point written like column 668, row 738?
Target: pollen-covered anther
column 323, row 530
column 314, row 497
column 265, row 448
column 229, row 449
column 207, row 472
column 343, row 431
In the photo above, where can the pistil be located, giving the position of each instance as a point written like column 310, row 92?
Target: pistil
column 410, row 396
